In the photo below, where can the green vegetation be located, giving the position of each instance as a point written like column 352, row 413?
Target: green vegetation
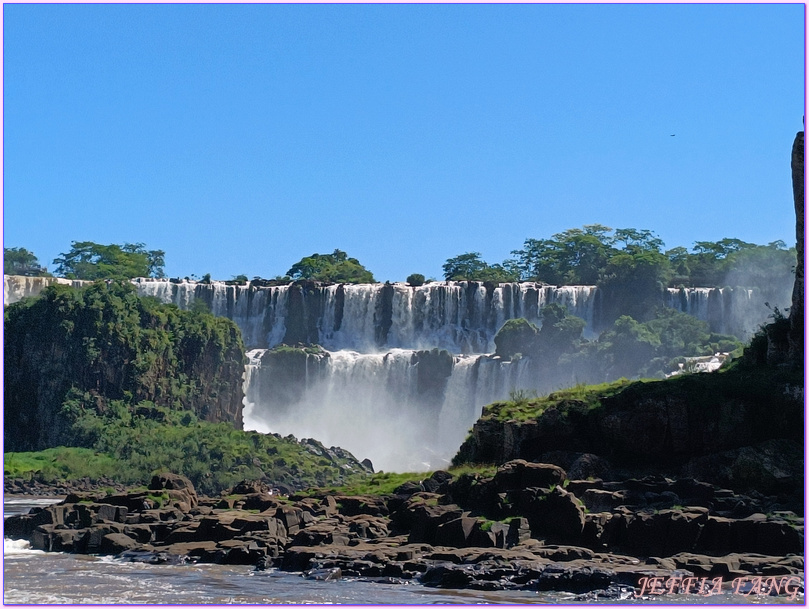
column 516, row 336
column 381, row 483
column 415, row 280
column 91, row 261
column 525, row 408
column 60, row 463
column 78, row 349
column 384, row 483
column 131, row 447
column 133, row 387
column 628, row 348
column 19, row 261
column 336, row 267
column 631, row 268
column 470, row 267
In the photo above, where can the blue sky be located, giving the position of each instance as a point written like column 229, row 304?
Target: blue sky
column 240, row 138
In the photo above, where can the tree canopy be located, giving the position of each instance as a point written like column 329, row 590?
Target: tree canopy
column 336, row 267
column 470, row 267
column 91, row 261
column 19, row 261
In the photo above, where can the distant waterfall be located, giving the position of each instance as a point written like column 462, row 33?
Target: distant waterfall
column 460, row 316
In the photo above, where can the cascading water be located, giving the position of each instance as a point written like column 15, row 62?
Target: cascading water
column 406, row 410
column 383, row 389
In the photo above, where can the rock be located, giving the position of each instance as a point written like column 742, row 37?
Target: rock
column 519, row 474
column 556, row 516
column 587, row 466
column 425, row 520
column 115, row 543
column 455, row 533
column 769, row 467
column 446, row 576
column 324, row 574
column 602, row 501
column 437, row 482
column 408, row 488
column 796, row 321
column 174, row 482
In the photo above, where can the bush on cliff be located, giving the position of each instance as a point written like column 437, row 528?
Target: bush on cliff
column 336, row 267
column 516, row 336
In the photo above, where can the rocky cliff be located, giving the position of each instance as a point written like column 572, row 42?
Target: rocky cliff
column 796, row 316
column 102, row 347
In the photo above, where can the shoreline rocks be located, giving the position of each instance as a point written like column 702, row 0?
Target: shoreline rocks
column 472, row 532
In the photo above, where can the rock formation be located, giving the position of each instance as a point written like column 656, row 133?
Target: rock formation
column 796, row 315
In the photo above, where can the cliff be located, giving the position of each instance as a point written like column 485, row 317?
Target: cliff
column 796, row 316
column 102, row 347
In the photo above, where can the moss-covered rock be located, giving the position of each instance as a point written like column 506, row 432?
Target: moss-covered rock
column 516, row 336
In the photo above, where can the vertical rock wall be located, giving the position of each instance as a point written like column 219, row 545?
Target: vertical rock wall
column 796, row 315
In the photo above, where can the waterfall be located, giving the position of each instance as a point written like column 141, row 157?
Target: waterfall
column 405, row 410
column 403, row 372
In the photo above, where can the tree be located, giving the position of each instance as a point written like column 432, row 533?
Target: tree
column 516, row 336
column 91, row 261
column 560, row 332
column 470, row 267
column 19, row 261
column 463, row 267
column 336, row 267
column 415, row 280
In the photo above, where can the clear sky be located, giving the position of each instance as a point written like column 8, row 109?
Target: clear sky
column 240, row 138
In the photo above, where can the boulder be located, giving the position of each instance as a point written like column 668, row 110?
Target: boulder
column 519, row 474
column 115, row 543
column 556, row 516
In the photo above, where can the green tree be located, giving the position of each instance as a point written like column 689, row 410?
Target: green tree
column 91, row 261
column 560, row 332
column 19, row 261
column 336, row 267
column 470, row 267
column 415, row 280
column 516, row 336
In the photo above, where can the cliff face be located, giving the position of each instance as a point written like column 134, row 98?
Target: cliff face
column 796, row 316
column 102, row 347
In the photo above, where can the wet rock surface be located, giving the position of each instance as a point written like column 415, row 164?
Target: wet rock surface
column 591, row 538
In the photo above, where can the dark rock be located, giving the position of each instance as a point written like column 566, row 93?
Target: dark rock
column 556, row 516
column 332, row 574
column 443, row 576
column 587, row 466
column 572, row 579
column 115, row 543
column 455, row 533
column 519, row 474
column 408, row 488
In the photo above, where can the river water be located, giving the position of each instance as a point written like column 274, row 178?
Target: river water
column 34, row 577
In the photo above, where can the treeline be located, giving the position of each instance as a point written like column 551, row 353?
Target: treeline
column 591, row 255
column 599, row 255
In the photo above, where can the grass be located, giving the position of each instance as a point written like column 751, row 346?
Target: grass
column 384, row 483
column 60, row 464
column 523, row 407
